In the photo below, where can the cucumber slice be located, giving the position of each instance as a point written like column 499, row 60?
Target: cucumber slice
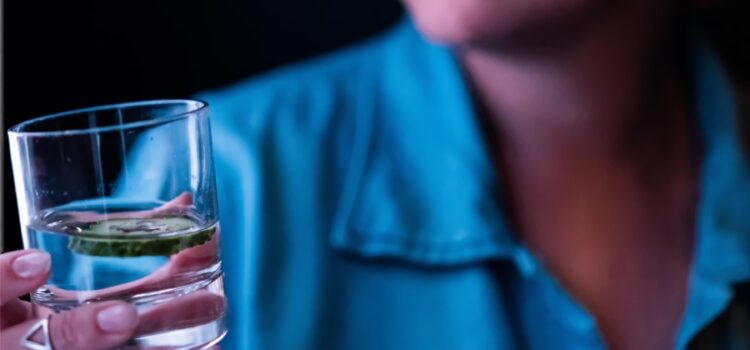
column 139, row 226
column 95, row 240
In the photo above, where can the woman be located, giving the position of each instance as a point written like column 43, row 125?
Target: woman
column 542, row 175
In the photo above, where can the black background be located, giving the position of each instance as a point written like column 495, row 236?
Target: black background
column 65, row 54
column 61, row 55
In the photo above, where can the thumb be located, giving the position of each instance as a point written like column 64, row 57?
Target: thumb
column 95, row 326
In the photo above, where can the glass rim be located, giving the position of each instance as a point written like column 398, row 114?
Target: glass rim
column 17, row 130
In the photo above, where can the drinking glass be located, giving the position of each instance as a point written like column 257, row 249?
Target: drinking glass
column 123, row 198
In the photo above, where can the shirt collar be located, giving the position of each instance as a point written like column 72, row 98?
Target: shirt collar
column 426, row 188
column 723, row 246
column 722, row 254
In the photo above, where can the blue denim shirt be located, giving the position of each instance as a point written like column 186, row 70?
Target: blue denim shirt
column 359, row 211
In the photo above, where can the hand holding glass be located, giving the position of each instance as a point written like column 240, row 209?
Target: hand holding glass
column 123, row 199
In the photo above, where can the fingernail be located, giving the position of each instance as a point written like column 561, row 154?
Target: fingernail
column 117, row 318
column 31, row 265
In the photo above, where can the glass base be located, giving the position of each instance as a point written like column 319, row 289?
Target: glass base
column 189, row 316
column 193, row 338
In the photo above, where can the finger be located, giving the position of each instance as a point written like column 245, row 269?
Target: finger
column 185, row 198
column 197, row 257
column 188, row 310
column 94, row 326
column 14, row 312
column 22, row 272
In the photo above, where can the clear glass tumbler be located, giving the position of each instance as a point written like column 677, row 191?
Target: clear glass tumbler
column 123, row 198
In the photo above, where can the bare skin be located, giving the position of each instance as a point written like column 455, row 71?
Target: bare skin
column 594, row 141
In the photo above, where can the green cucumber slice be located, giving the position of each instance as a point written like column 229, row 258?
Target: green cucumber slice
column 95, row 240
column 139, row 226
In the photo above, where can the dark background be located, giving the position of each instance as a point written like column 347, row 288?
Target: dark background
column 61, row 55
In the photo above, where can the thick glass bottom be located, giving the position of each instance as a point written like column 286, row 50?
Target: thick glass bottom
column 198, row 337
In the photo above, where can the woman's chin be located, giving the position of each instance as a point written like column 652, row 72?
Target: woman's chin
column 467, row 22
column 443, row 26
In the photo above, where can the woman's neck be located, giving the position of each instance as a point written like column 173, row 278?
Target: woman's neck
column 589, row 95
column 594, row 141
